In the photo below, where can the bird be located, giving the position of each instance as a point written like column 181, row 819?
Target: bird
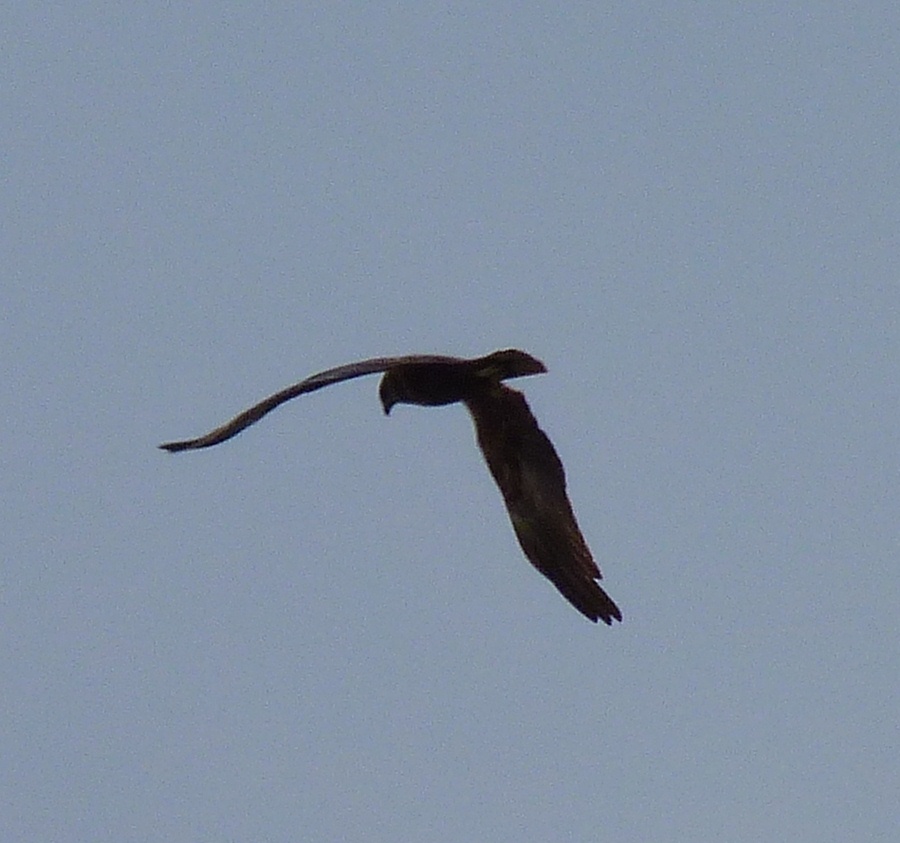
column 519, row 455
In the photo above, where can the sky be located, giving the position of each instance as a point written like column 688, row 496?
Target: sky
column 325, row 629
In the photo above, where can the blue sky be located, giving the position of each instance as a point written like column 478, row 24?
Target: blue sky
column 325, row 629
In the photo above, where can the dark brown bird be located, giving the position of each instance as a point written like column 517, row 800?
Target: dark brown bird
column 521, row 458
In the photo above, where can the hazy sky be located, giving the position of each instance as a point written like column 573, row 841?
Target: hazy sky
column 325, row 629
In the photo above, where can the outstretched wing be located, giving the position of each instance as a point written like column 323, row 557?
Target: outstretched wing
column 310, row 384
column 532, row 480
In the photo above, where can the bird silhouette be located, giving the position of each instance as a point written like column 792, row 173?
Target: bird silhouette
column 519, row 454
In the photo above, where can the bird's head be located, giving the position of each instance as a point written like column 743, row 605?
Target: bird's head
column 391, row 390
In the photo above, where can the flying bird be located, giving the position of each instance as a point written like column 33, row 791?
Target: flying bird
column 519, row 454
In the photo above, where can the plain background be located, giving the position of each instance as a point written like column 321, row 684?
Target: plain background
column 325, row 630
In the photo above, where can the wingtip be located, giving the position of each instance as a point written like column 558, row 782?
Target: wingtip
column 173, row 447
column 597, row 606
column 609, row 612
column 596, row 617
column 614, row 616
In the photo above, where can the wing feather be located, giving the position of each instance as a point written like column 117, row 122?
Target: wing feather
column 310, row 384
column 532, row 480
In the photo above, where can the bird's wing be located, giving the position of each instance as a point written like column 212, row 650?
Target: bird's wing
column 310, row 384
column 532, row 480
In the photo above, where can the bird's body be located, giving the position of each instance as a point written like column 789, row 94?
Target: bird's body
column 519, row 454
